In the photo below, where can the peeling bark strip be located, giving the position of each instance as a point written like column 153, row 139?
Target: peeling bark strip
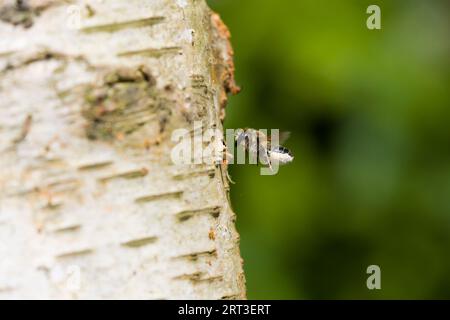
column 139, row 242
column 224, row 66
column 112, row 27
column 86, row 179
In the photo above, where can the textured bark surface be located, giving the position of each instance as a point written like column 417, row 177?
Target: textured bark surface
column 91, row 205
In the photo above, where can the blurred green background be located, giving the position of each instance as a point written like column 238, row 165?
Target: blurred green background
column 369, row 112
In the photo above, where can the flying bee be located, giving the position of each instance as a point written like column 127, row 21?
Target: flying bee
column 259, row 145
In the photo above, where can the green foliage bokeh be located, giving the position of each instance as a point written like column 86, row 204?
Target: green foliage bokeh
column 369, row 113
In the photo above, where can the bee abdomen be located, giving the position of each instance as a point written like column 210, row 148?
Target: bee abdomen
column 282, row 150
column 281, row 154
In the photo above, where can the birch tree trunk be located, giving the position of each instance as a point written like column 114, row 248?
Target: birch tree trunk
column 91, row 205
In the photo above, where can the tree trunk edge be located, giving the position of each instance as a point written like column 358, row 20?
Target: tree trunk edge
column 62, row 155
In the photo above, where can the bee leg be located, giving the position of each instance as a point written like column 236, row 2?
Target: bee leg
column 229, row 178
column 267, row 160
column 223, row 166
column 225, row 163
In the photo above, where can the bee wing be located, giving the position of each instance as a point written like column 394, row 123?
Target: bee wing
column 284, row 135
column 253, row 148
column 241, row 138
column 261, row 135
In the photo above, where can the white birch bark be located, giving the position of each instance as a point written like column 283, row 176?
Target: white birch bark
column 91, row 205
